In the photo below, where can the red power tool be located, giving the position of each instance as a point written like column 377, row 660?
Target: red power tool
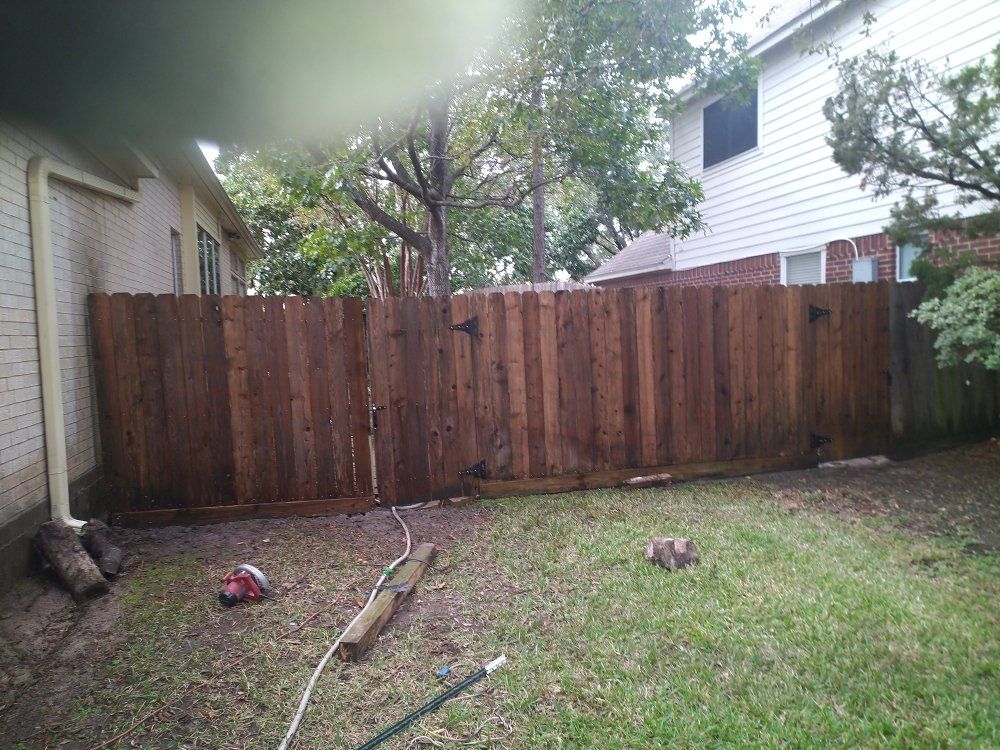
column 245, row 582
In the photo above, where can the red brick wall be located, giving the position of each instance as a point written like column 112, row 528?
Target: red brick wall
column 766, row 269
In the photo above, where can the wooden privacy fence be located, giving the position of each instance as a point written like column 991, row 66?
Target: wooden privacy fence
column 230, row 407
column 546, row 391
column 240, row 406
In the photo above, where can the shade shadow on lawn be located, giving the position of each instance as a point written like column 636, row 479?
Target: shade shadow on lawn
column 802, row 629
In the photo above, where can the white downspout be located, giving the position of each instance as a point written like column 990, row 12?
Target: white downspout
column 40, row 169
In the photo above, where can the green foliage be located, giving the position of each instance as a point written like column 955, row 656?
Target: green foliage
column 966, row 319
column 588, row 83
column 906, row 128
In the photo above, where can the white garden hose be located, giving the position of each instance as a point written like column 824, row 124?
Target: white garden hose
column 333, row 649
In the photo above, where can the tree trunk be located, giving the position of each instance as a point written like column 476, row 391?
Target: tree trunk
column 61, row 546
column 439, row 267
column 97, row 541
column 538, row 201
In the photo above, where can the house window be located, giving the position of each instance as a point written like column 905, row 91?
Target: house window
column 806, row 267
column 238, row 275
column 176, row 260
column 729, row 127
column 208, row 257
column 905, row 255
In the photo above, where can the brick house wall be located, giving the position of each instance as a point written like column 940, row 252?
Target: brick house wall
column 766, row 269
column 99, row 244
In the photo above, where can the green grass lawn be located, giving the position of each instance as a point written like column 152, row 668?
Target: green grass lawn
column 804, row 629
column 795, row 630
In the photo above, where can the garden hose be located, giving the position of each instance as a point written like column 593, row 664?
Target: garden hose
column 434, row 704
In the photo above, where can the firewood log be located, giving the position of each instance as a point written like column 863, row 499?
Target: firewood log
column 97, row 541
column 61, row 546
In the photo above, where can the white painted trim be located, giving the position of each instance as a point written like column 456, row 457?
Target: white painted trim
column 807, row 251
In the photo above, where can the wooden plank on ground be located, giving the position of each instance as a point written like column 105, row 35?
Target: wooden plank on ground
column 616, row 477
column 362, row 634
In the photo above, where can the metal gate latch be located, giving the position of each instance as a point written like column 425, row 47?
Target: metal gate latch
column 471, row 326
column 815, row 313
column 818, row 441
column 476, row 470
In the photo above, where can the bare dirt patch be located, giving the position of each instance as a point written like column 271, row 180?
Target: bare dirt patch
column 54, row 655
column 953, row 493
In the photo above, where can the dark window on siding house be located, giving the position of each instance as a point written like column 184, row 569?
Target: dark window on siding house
column 729, row 127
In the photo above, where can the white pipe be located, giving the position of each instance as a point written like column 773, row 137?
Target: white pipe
column 290, row 735
column 40, row 169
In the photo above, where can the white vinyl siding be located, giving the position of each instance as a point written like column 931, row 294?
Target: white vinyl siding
column 789, row 194
column 803, row 268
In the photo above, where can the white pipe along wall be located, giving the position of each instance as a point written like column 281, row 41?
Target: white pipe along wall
column 40, row 170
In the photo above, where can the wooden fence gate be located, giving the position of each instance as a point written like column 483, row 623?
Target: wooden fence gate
column 524, row 392
column 231, row 407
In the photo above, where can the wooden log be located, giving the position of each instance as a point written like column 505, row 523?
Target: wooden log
column 360, row 636
column 61, row 546
column 651, row 480
column 97, row 541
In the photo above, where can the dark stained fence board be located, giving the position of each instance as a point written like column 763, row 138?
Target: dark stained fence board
column 931, row 406
column 214, row 407
column 197, row 395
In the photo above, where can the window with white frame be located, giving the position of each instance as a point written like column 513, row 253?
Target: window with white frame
column 238, row 275
column 905, row 255
column 803, row 267
column 208, row 258
column 729, row 127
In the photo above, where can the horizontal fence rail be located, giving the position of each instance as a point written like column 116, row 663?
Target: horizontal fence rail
column 225, row 407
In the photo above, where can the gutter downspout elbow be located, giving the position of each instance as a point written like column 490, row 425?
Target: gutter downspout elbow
column 40, row 169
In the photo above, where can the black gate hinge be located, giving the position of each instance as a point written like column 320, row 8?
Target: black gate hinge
column 375, row 410
column 818, row 441
column 476, row 470
column 471, row 326
column 815, row 313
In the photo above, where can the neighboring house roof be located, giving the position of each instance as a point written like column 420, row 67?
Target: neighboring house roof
column 650, row 252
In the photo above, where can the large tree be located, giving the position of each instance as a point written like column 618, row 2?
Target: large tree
column 578, row 92
column 601, row 77
column 909, row 130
